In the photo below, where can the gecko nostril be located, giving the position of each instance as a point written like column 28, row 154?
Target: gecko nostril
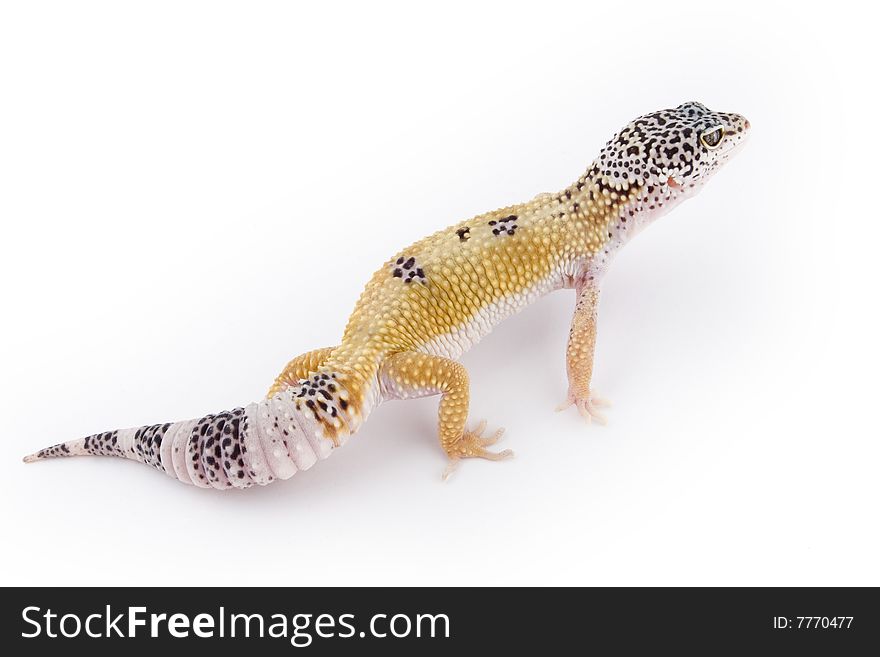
column 747, row 124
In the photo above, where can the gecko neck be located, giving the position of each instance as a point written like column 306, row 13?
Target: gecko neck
column 613, row 211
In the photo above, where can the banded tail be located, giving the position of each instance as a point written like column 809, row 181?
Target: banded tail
column 267, row 440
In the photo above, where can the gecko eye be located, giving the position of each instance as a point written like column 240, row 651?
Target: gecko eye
column 711, row 137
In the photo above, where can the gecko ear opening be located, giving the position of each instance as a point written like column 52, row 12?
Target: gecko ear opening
column 672, row 182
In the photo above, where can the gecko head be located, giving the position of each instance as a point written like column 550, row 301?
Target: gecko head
column 667, row 156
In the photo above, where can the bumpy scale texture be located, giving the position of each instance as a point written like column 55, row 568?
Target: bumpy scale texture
column 433, row 300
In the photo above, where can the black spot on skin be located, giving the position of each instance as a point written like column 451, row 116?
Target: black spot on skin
column 397, row 273
column 463, row 234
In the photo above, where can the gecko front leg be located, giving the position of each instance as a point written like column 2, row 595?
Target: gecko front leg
column 579, row 353
column 409, row 374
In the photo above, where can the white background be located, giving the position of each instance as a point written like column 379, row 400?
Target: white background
column 193, row 193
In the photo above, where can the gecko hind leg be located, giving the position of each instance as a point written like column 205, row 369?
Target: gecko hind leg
column 410, row 374
column 300, row 368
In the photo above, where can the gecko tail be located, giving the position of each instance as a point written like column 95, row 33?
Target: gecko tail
column 70, row 448
column 253, row 445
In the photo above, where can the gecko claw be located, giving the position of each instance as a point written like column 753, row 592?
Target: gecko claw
column 451, row 468
column 586, row 407
column 454, row 463
column 477, row 435
column 471, row 444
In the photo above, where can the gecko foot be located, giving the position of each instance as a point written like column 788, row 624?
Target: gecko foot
column 473, row 445
column 586, row 407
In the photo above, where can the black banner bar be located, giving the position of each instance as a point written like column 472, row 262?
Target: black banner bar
column 435, row 621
